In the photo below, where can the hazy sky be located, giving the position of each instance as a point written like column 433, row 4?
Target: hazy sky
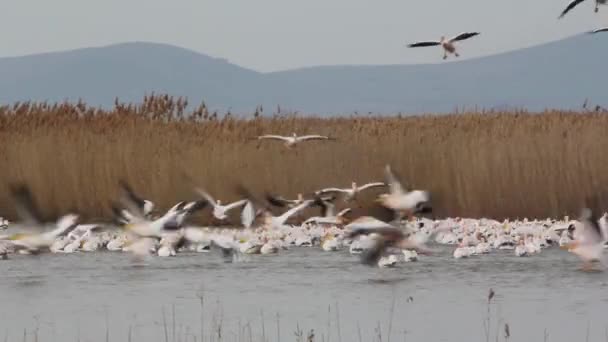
column 268, row 35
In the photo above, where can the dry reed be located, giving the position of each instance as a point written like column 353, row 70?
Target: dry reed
column 487, row 164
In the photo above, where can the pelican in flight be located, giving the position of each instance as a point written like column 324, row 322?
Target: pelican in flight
column 384, row 236
column 294, row 139
column 352, row 192
column 279, row 201
column 446, row 44
column 603, row 29
column 143, row 205
column 269, row 221
column 575, row 3
column 403, row 200
column 35, row 234
column 589, row 242
column 220, row 211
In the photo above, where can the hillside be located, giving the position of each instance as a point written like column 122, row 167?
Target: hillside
column 559, row 74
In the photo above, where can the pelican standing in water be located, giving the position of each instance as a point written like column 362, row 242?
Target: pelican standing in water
column 294, row 139
column 446, row 44
column 575, row 3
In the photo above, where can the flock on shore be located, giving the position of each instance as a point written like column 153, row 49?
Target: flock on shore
column 395, row 228
column 449, row 47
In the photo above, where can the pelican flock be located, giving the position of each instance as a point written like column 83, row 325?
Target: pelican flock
column 391, row 231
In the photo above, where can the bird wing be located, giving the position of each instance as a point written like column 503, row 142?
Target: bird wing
column 132, row 196
column 26, row 206
column 603, row 29
column 327, row 207
column 277, row 201
column 393, row 181
column 570, row 6
column 344, row 212
column 286, row 215
column 591, row 232
column 248, row 215
column 423, row 44
column 312, row 137
column 371, row 185
column 463, row 36
column 236, row 204
column 329, row 190
column 206, row 196
column 195, row 206
column 275, row 137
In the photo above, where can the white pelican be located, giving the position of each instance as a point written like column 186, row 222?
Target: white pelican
column 402, row 200
column 383, row 235
column 446, row 44
column 294, row 139
column 603, row 29
column 3, row 223
column 145, row 206
column 34, row 234
column 588, row 244
column 352, row 192
column 269, row 221
column 220, row 211
column 575, row 3
column 388, row 261
column 521, row 250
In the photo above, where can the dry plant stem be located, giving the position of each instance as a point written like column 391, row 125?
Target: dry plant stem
column 487, row 164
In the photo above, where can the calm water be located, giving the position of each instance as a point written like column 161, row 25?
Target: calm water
column 75, row 297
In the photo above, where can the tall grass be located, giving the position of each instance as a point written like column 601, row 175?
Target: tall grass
column 492, row 164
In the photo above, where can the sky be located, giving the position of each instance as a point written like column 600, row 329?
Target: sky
column 272, row 35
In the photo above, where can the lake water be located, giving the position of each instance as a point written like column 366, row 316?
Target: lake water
column 81, row 297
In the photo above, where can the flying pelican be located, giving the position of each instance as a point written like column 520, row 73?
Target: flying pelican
column 269, row 221
column 292, row 141
column 384, row 236
column 220, row 211
column 279, row 201
column 446, row 44
column 352, row 192
column 401, row 200
column 589, row 242
column 603, row 29
column 35, row 233
column 145, row 206
column 575, row 3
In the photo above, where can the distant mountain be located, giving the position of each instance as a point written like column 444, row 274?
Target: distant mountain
column 560, row 74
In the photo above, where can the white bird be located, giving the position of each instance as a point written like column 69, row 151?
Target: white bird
column 35, row 234
column 402, row 200
column 220, row 211
column 294, row 139
column 588, row 244
column 269, row 221
column 352, row 192
column 603, row 29
column 575, row 3
column 446, row 44
column 383, row 237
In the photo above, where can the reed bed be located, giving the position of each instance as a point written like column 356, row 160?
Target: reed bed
column 483, row 164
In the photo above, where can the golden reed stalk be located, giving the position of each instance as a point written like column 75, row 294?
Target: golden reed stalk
column 487, row 164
